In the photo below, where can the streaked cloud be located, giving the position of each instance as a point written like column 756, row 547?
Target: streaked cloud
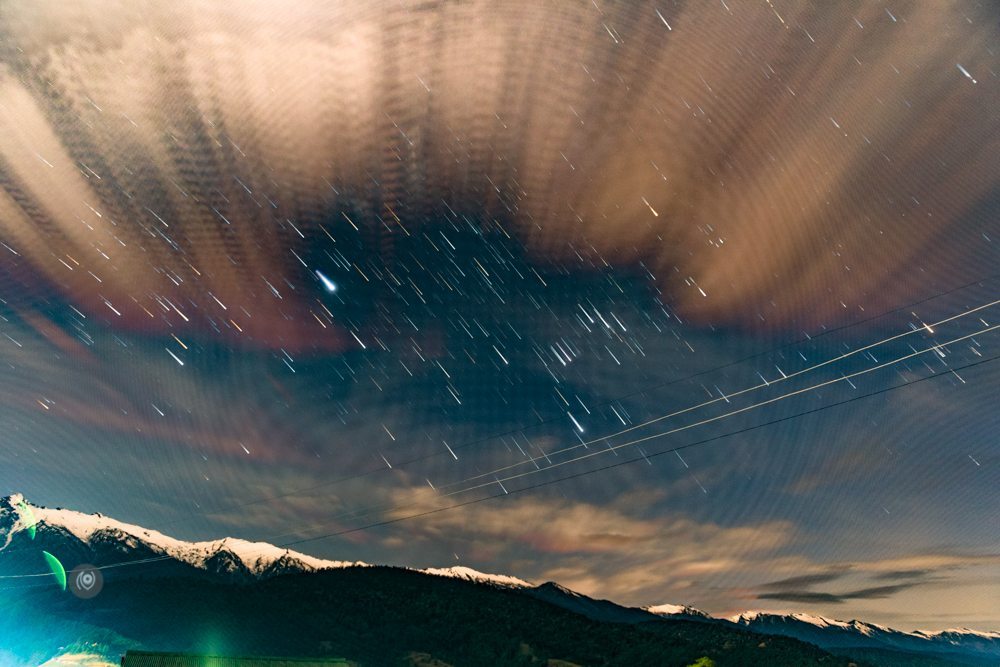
column 161, row 166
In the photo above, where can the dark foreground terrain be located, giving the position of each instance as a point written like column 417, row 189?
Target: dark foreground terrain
column 373, row 616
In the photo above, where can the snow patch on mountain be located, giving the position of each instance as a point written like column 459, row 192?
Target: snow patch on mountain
column 467, row 573
column 675, row 610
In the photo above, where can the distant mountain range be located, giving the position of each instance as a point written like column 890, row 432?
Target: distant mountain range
column 233, row 583
column 228, row 557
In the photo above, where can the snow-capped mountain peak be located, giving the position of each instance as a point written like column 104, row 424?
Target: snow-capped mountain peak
column 965, row 632
column 111, row 541
column 828, row 632
column 811, row 619
column 675, row 610
column 256, row 557
column 228, row 554
column 665, row 609
column 867, row 629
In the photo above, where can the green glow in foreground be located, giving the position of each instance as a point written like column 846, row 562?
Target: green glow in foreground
column 58, row 571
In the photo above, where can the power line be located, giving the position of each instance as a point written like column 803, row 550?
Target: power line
column 499, row 480
column 584, row 473
column 521, row 429
column 618, row 464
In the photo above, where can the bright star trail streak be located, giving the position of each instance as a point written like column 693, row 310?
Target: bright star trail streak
column 328, row 284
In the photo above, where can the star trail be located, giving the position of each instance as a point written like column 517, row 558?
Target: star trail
column 664, row 301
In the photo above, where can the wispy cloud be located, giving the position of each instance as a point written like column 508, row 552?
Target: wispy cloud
column 612, row 550
column 250, row 138
column 803, row 588
column 872, row 593
column 805, row 580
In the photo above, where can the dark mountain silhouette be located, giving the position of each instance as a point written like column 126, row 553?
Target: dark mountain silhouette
column 235, row 597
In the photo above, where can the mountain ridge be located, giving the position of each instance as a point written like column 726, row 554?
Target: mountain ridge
column 241, row 560
column 259, row 558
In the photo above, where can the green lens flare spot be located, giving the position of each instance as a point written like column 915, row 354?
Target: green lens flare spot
column 58, row 571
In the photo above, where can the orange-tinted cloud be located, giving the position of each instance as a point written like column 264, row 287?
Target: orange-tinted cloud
column 776, row 166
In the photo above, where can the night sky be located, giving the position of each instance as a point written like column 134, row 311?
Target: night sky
column 673, row 302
